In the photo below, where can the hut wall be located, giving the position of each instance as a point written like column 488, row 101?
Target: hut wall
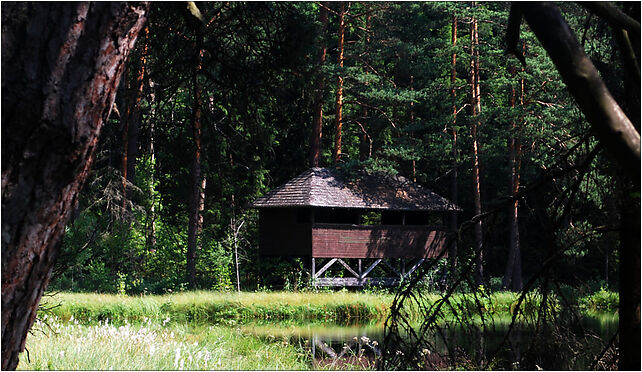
column 377, row 241
column 282, row 232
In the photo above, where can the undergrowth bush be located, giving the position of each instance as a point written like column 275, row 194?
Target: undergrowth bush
column 601, row 300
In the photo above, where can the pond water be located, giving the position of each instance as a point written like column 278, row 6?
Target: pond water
column 359, row 345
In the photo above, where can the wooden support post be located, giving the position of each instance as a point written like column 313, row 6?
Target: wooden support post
column 314, row 274
column 361, row 272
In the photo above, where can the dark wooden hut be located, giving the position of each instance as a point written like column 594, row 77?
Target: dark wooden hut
column 327, row 214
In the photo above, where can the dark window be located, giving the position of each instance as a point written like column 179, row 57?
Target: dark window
column 392, row 218
column 416, row 218
column 303, row 215
column 336, row 215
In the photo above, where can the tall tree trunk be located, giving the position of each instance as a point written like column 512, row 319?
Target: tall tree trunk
column 339, row 103
column 365, row 142
column 317, row 119
column 475, row 104
column 512, row 274
column 197, row 195
column 131, row 123
column 412, row 120
column 452, row 252
column 151, row 235
column 61, row 65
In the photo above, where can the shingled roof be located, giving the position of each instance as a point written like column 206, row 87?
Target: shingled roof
column 326, row 187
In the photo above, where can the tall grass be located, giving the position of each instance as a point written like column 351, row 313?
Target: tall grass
column 222, row 307
column 153, row 346
column 337, row 307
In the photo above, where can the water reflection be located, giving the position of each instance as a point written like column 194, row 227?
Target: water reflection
column 330, row 346
column 358, row 346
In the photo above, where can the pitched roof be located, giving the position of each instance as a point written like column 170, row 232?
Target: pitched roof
column 326, row 187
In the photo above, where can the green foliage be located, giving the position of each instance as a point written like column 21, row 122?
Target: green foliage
column 260, row 77
column 601, row 301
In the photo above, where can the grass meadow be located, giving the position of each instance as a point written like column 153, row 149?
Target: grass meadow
column 71, row 345
column 204, row 330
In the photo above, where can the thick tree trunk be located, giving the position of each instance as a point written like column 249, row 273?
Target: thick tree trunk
column 61, row 64
column 452, row 218
column 317, row 119
column 339, row 103
column 475, row 109
column 197, row 196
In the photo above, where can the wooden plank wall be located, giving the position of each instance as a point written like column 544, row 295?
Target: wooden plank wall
column 383, row 241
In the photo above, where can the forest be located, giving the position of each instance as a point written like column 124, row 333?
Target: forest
column 136, row 138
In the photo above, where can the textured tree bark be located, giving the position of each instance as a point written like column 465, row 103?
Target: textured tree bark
column 475, row 109
column 452, row 218
column 61, row 66
column 197, row 196
column 339, row 103
column 317, row 119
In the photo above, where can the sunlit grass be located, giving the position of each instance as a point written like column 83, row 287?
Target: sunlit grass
column 222, row 307
column 152, row 346
column 230, row 308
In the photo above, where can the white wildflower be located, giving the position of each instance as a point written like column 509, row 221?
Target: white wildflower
column 177, row 356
